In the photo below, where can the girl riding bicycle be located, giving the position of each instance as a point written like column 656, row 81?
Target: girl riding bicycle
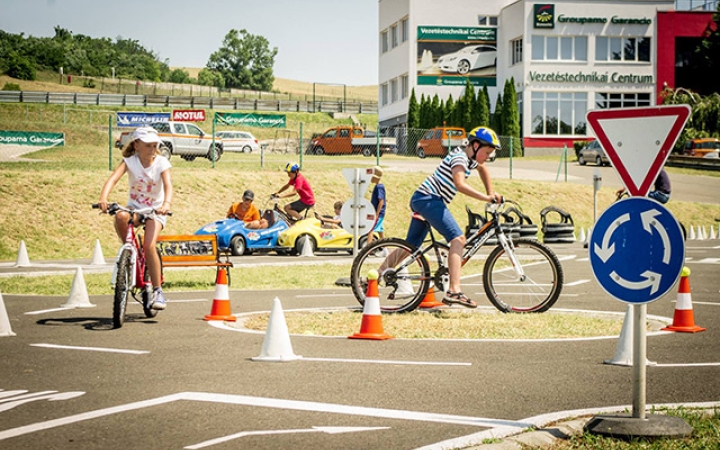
column 151, row 190
column 430, row 200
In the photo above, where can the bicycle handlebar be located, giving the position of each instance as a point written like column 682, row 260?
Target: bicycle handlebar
column 113, row 208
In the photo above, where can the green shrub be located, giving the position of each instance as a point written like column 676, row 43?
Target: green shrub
column 11, row 87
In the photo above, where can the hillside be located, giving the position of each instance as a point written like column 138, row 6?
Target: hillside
column 51, row 83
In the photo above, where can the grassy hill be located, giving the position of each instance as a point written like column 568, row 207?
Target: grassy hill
column 52, row 82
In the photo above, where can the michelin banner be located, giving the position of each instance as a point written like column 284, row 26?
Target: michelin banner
column 449, row 56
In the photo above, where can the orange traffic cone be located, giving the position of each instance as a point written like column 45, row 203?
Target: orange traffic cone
column 430, row 301
column 684, row 319
column 371, row 326
column 221, row 304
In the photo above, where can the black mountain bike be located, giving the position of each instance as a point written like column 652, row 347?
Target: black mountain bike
column 521, row 275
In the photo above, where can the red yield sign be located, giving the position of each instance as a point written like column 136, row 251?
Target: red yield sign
column 638, row 141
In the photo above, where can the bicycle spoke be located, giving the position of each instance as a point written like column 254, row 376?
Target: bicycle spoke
column 403, row 280
column 533, row 286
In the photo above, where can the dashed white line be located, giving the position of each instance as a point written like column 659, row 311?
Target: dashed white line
column 92, row 349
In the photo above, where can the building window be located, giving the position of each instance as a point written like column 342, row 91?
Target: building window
column 394, row 36
column 605, row 100
column 559, row 113
column 490, row 21
column 404, row 30
column 622, row 49
column 384, row 94
column 516, row 48
column 559, row 48
column 384, row 41
column 393, row 90
column 404, row 86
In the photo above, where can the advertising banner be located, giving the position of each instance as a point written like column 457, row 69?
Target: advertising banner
column 252, row 120
column 34, row 138
column 138, row 119
column 449, row 56
column 188, row 115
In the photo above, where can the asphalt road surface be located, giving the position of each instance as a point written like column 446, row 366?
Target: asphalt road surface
column 69, row 381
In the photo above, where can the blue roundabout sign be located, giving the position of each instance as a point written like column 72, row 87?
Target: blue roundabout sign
column 637, row 250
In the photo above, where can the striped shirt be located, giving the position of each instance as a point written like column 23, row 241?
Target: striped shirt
column 441, row 182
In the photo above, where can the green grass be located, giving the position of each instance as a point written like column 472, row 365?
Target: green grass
column 705, row 435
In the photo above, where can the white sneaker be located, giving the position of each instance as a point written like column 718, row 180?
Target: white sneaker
column 158, row 300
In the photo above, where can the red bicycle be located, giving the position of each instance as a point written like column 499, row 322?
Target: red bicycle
column 131, row 275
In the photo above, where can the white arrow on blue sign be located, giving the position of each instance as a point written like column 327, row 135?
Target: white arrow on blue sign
column 637, row 250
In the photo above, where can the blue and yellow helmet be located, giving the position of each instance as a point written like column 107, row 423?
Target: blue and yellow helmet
column 486, row 136
column 291, row 167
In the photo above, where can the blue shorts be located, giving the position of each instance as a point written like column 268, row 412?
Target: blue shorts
column 659, row 196
column 380, row 225
column 434, row 210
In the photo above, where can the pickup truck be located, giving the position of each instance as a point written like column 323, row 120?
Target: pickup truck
column 179, row 138
column 438, row 141
column 346, row 140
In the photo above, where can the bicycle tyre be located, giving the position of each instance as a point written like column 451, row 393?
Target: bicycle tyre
column 147, row 295
column 540, row 288
column 123, row 286
column 398, row 291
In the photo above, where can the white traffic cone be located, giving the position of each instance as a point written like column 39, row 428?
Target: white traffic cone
column 582, row 237
column 712, row 232
column 276, row 345
column 691, row 234
column 78, row 293
column 306, row 248
column 701, row 233
column 98, row 259
column 5, row 329
column 624, row 353
column 22, row 258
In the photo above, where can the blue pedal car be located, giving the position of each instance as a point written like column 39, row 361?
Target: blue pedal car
column 231, row 233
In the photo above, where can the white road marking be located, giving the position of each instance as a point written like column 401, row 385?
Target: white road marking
column 382, row 361
column 43, row 311
column 689, row 365
column 295, row 405
column 328, row 430
column 92, row 349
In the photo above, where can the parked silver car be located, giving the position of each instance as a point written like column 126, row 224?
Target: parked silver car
column 238, row 141
column 593, row 152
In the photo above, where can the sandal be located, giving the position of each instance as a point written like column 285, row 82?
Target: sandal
column 459, row 298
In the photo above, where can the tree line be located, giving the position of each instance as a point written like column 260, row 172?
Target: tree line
column 243, row 61
column 470, row 110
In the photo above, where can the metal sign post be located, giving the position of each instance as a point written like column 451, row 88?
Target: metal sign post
column 637, row 248
column 357, row 214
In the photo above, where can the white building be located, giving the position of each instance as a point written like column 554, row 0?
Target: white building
column 566, row 58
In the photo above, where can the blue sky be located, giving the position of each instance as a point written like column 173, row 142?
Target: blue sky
column 323, row 41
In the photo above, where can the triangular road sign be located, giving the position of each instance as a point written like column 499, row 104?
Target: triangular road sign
column 638, row 141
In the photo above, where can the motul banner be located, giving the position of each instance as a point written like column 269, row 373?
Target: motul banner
column 188, row 115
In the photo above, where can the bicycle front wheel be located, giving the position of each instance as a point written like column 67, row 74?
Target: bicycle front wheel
column 404, row 280
column 123, row 285
column 536, row 290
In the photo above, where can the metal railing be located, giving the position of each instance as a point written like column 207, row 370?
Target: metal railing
column 228, row 103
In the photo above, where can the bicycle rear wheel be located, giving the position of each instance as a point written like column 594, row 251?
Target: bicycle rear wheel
column 123, row 285
column 403, row 281
column 539, row 288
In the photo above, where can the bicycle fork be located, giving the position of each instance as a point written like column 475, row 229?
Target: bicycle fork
column 133, row 264
column 510, row 252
